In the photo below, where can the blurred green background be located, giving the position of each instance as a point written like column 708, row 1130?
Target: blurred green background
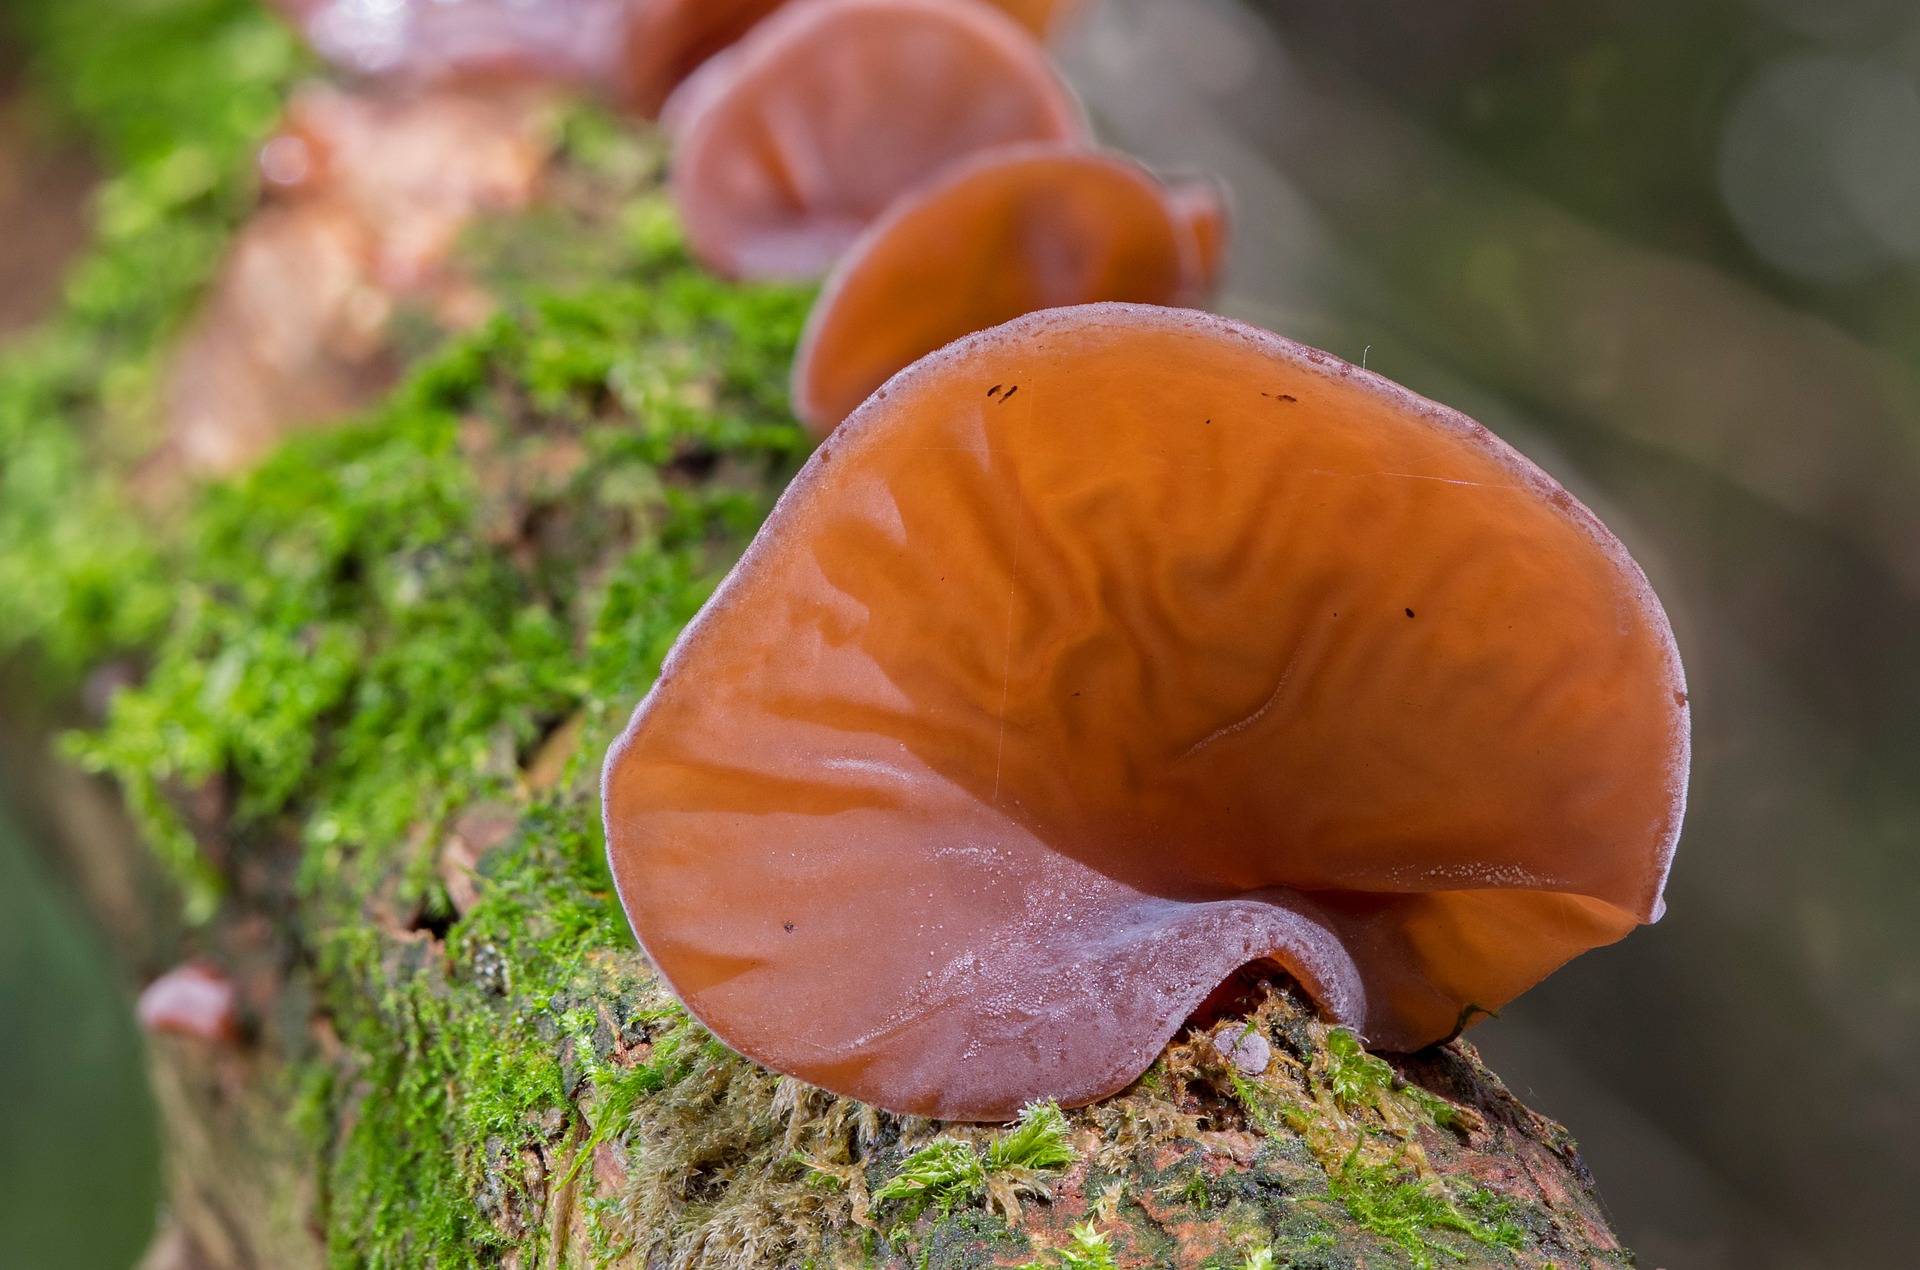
column 79, row 1160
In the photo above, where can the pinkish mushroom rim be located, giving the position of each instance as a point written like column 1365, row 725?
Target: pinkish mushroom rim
column 938, row 186
column 692, row 103
column 793, row 505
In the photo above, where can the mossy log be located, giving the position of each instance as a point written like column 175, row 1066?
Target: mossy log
column 333, row 729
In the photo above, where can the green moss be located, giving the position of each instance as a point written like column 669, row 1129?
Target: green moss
column 1389, row 1201
column 1086, row 1249
column 949, row 1172
column 177, row 93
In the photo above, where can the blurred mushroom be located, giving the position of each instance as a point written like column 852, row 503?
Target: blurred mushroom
column 790, row 142
column 1011, row 231
column 191, row 1000
column 366, row 199
column 1200, row 205
column 667, row 40
column 439, row 41
column 1045, row 18
column 1111, row 650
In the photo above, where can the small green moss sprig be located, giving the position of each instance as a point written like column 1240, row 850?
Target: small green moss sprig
column 1391, row 1201
column 949, row 1172
column 1086, row 1249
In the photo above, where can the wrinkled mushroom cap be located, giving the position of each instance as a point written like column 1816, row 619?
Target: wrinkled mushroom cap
column 1011, row 231
column 792, row 141
column 1113, row 649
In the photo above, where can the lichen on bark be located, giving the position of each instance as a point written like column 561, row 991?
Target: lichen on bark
column 369, row 683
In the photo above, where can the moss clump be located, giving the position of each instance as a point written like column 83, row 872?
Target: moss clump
column 176, row 93
column 384, row 625
column 950, row 1172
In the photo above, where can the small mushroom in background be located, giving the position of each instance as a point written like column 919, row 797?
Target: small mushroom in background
column 792, row 141
column 1045, row 18
column 1011, row 231
column 1105, row 653
column 366, row 197
column 667, row 40
column 1202, row 205
column 191, row 1000
column 433, row 42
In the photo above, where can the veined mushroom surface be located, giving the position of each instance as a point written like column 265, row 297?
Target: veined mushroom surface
column 1106, row 652
column 1009, row 231
column 789, row 143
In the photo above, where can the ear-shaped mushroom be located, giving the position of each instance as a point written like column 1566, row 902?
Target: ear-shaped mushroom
column 1113, row 649
column 191, row 1000
column 1008, row 232
column 790, row 142
column 667, row 40
column 575, row 41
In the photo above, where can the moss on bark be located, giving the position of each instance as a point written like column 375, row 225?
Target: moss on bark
column 373, row 680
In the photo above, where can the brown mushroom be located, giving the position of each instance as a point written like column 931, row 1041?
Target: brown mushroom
column 1200, row 206
column 570, row 41
column 368, row 196
column 1106, row 652
column 1045, row 18
column 792, row 141
column 1011, row 231
column 191, row 1000
column 667, row 40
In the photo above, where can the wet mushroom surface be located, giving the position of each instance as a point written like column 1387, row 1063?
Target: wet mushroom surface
column 1010, row 231
column 792, row 141
column 1112, row 650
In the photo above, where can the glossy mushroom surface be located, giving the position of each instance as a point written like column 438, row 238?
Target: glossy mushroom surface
column 794, row 140
column 1011, row 231
column 1113, row 649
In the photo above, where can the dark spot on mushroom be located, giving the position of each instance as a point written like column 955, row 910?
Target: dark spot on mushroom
column 1010, row 392
column 995, row 390
column 1287, row 396
column 1680, row 698
column 1409, row 612
column 789, row 928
